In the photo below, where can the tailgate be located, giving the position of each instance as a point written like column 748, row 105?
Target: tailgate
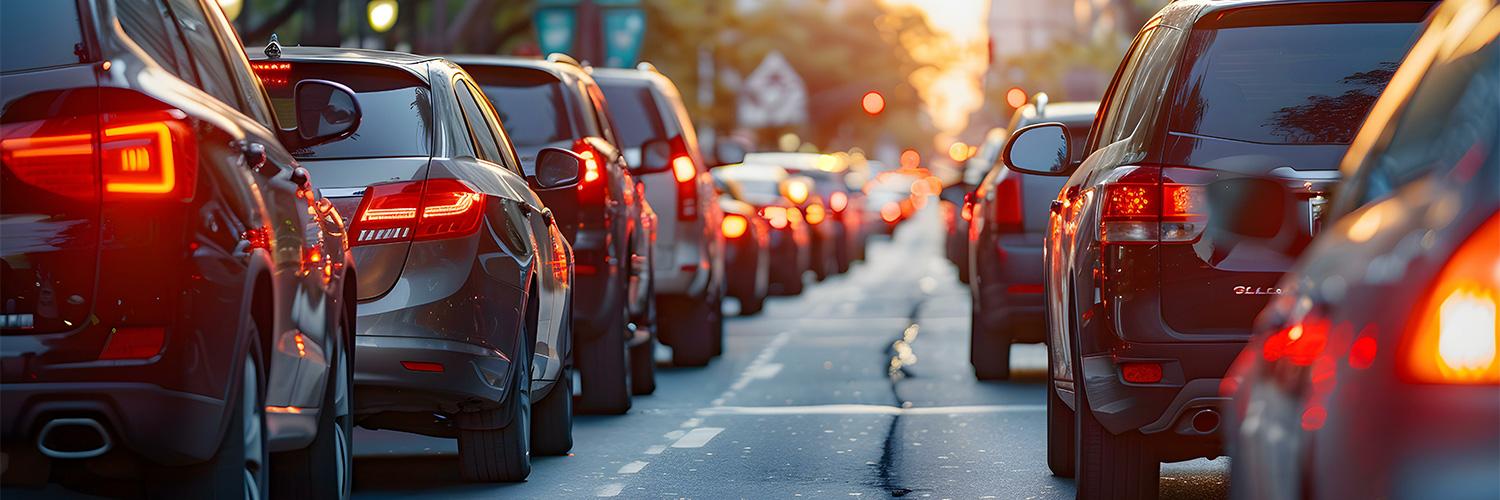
column 343, row 183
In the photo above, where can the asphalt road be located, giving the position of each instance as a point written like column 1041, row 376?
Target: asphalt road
column 860, row 387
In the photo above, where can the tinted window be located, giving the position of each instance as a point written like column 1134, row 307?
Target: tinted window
column 38, row 34
column 531, row 104
column 1300, row 84
column 397, row 109
column 634, row 110
column 256, row 103
column 208, row 56
column 146, row 24
column 485, row 139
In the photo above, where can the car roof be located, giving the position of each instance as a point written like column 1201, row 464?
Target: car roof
column 628, row 75
column 553, row 68
column 1185, row 13
column 1069, row 112
column 412, row 63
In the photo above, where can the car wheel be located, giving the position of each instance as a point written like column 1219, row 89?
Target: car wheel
column 239, row 468
column 604, row 368
column 989, row 348
column 689, row 322
column 324, row 470
column 643, row 368
column 1109, row 465
column 752, row 305
column 1059, row 432
column 716, row 322
column 552, row 425
column 488, row 452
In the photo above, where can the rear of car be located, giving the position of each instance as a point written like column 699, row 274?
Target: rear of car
column 1148, row 306
column 842, row 202
column 143, row 288
column 790, row 238
column 1006, row 232
column 1368, row 379
column 689, row 250
column 554, row 103
column 957, row 200
column 747, row 259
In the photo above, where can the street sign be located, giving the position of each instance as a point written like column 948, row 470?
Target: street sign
column 624, row 28
column 554, row 28
column 597, row 31
column 773, row 95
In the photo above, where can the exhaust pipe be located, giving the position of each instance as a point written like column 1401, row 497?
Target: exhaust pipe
column 1206, row 421
column 73, row 438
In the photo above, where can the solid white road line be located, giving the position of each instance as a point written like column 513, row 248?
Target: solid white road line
column 696, row 438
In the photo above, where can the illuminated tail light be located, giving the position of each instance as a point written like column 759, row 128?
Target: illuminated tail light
column 1141, row 373
column 890, row 212
column 1144, row 206
column 838, row 201
column 418, row 210
column 591, row 185
column 967, row 212
column 1453, row 337
column 734, row 226
column 139, row 154
column 777, row 216
column 816, row 214
column 1007, row 212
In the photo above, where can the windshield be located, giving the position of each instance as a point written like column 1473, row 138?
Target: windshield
column 396, row 105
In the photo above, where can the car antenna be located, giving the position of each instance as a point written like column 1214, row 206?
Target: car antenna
column 273, row 49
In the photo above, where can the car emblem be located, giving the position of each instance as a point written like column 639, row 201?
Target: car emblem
column 1256, row 290
column 1317, row 206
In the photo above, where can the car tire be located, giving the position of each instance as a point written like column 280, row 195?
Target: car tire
column 604, row 368
column 240, row 467
column 688, row 321
column 1059, row 432
column 752, row 305
column 1108, row 465
column 643, row 368
column 325, row 469
column 989, row 348
column 494, row 454
column 716, row 322
column 552, row 419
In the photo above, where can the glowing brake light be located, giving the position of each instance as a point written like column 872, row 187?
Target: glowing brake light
column 838, row 201
column 590, row 165
column 418, row 210
column 890, row 212
column 682, row 169
column 1453, row 337
column 735, row 225
column 777, row 216
column 796, row 191
column 1144, row 207
column 142, row 153
column 816, row 214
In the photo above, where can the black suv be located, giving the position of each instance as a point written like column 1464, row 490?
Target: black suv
column 174, row 293
column 555, row 103
column 1148, row 302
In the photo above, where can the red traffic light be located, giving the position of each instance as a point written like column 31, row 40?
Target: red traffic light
column 873, row 103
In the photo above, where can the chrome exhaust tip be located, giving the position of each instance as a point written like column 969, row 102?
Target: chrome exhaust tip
column 1206, row 421
column 73, row 438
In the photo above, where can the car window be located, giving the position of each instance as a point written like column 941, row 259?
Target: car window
column 207, row 56
column 1298, row 84
column 1111, row 113
column 35, row 35
column 1452, row 118
column 485, row 141
column 145, row 22
column 507, row 152
column 531, row 102
column 257, row 103
column 601, row 113
column 635, row 107
column 396, row 106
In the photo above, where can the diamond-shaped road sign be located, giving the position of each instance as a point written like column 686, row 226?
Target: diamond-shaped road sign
column 773, row 95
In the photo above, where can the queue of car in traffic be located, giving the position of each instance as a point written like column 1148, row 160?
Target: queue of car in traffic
column 217, row 264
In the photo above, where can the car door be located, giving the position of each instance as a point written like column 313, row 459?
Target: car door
column 633, row 204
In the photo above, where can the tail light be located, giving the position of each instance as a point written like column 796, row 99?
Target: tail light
column 734, row 226
column 1453, row 337
column 890, row 212
column 685, row 172
column 1007, row 212
column 151, row 153
column 838, row 201
column 777, row 216
column 419, row 210
column 967, row 212
column 591, row 184
column 816, row 214
column 1145, row 206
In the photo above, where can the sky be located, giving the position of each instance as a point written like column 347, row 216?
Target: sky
column 951, row 89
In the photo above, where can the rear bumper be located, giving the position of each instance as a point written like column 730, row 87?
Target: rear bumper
column 1009, row 287
column 163, row 426
column 682, row 265
column 742, row 265
column 788, row 259
column 1191, row 374
column 472, row 377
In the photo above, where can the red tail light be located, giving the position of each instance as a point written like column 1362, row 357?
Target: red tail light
column 838, row 201
column 734, row 226
column 1454, row 336
column 139, row 153
column 967, row 212
column 687, row 187
column 1145, row 206
column 777, row 216
column 591, row 185
column 418, row 210
column 1007, row 216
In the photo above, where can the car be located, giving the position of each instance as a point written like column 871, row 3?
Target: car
column 1372, row 373
column 844, row 203
column 465, row 292
column 891, row 200
column 790, row 238
column 178, row 300
column 611, row 226
column 1146, row 309
column 1009, row 213
column 747, row 238
column 957, row 201
column 659, row 138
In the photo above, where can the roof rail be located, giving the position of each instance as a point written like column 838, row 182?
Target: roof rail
column 559, row 57
column 645, row 66
column 1040, row 100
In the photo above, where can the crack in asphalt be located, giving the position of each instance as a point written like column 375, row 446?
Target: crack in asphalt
column 901, row 356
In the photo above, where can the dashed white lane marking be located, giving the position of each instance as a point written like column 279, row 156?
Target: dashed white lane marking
column 696, row 438
column 690, row 423
column 610, row 490
column 632, row 467
column 858, row 409
column 656, row 449
column 674, row 435
column 760, row 368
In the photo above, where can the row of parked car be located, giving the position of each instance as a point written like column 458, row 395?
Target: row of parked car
column 216, row 265
column 1273, row 239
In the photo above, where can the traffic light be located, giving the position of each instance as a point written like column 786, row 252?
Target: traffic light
column 873, row 103
column 1015, row 97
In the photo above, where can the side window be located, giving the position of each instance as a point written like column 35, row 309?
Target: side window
column 1148, row 88
column 508, row 155
column 213, row 75
column 486, row 143
column 146, row 24
column 257, row 102
column 601, row 112
column 1111, row 110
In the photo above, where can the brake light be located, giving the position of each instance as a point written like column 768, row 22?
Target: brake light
column 272, row 74
column 1141, row 372
column 1143, row 206
column 890, row 212
column 777, row 216
column 1007, row 216
column 838, row 201
column 816, row 214
column 139, row 153
column 682, row 169
column 590, row 165
column 418, row 210
column 796, row 191
column 735, row 225
column 967, row 212
column 1453, row 337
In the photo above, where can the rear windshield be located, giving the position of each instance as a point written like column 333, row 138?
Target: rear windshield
column 635, row 113
column 1290, row 84
column 36, row 35
column 531, row 106
column 396, row 106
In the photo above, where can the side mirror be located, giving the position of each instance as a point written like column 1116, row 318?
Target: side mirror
column 728, row 151
column 656, row 156
column 557, row 168
column 1040, row 149
column 326, row 111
